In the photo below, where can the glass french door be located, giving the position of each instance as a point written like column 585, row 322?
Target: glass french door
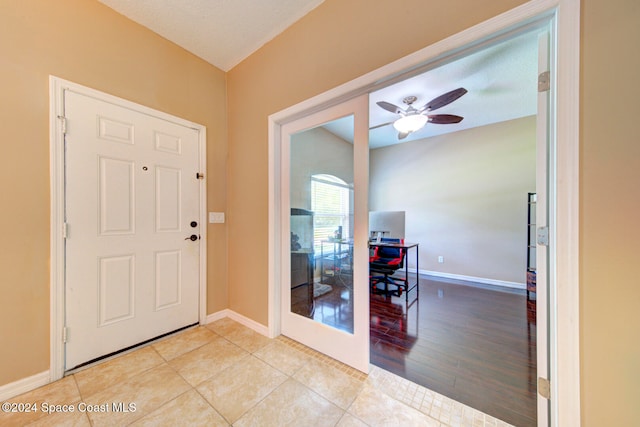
column 324, row 160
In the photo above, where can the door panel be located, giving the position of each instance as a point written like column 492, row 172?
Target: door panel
column 131, row 194
column 116, row 198
column 168, row 199
column 168, row 279
column 116, row 283
column 326, row 307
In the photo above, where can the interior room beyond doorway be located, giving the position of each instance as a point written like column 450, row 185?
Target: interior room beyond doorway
column 464, row 189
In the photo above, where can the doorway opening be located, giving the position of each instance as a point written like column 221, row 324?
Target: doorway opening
column 563, row 200
column 463, row 188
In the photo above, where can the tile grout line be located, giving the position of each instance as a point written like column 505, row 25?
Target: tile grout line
column 443, row 410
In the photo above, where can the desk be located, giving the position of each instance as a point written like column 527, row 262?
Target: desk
column 406, row 246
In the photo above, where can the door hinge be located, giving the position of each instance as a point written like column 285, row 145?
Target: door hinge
column 542, row 236
column 544, row 82
column 199, row 175
column 544, row 387
column 65, row 334
column 65, row 230
column 63, row 124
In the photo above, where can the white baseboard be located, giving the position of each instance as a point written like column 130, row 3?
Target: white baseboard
column 249, row 323
column 24, row 385
column 483, row 280
column 217, row 315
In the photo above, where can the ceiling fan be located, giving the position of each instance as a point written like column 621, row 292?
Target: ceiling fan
column 412, row 119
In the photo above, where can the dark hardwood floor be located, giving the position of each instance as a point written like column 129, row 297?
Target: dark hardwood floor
column 474, row 345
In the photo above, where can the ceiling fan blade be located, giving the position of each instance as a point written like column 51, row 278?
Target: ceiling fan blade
column 444, row 99
column 390, row 107
column 403, row 135
column 381, row 125
column 444, row 119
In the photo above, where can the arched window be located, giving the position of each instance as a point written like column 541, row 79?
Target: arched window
column 331, row 203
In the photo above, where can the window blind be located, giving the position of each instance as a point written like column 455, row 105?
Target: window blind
column 330, row 204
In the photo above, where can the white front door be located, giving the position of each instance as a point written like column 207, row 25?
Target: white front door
column 132, row 202
column 324, row 252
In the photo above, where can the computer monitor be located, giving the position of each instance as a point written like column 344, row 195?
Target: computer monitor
column 386, row 224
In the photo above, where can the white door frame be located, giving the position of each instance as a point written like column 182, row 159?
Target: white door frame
column 57, row 87
column 564, row 330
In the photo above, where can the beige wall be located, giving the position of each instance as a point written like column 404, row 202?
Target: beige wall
column 609, row 210
column 465, row 197
column 85, row 42
column 337, row 42
column 317, row 151
column 343, row 39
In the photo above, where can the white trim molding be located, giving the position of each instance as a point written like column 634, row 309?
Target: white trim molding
column 249, row 323
column 565, row 305
column 481, row 280
column 56, row 294
column 23, row 385
column 564, row 327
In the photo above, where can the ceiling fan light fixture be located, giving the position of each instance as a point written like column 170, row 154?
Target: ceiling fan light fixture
column 410, row 123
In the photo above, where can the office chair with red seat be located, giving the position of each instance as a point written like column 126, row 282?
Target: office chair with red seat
column 384, row 262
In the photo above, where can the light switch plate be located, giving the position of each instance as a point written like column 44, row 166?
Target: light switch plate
column 216, row 217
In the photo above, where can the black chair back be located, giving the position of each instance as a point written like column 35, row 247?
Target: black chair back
column 386, row 255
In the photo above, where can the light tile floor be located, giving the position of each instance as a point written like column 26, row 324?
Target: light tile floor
column 226, row 374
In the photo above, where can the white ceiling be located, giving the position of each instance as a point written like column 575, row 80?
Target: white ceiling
column 501, row 80
column 222, row 32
